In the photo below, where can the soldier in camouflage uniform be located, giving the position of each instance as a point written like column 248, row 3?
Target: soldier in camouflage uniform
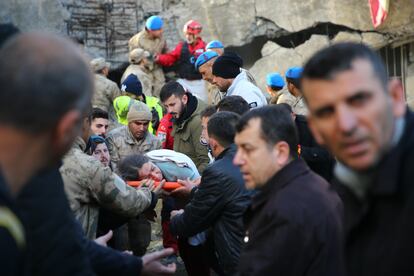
column 105, row 90
column 134, row 139
column 89, row 185
column 150, row 39
column 293, row 75
column 138, row 59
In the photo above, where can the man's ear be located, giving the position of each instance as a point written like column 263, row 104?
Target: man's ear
column 184, row 98
column 396, row 92
column 281, row 152
column 315, row 131
column 212, row 142
column 66, row 130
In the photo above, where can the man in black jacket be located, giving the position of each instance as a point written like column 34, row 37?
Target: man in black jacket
column 42, row 103
column 362, row 118
column 294, row 223
column 220, row 199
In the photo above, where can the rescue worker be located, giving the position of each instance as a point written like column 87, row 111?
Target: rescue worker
column 231, row 80
column 218, row 47
column 121, row 106
column 184, row 56
column 215, row 46
column 164, row 132
column 99, row 125
column 89, row 186
column 185, row 109
column 151, row 39
column 134, row 139
column 204, row 64
column 132, row 87
column 105, row 89
column 139, row 66
column 293, row 75
column 274, row 85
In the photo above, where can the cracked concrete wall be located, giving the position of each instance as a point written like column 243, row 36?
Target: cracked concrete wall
column 106, row 25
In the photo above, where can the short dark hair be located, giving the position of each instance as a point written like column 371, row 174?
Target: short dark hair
column 276, row 124
column 339, row 57
column 286, row 106
column 128, row 167
column 222, row 127
column 99, row 113
column 45, row 76
column 295, row 82
column 208, row 111
column 171, row 88
column 234, row 104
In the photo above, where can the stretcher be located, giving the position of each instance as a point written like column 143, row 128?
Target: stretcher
column 168, row 186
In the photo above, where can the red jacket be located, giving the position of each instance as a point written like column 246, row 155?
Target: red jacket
column 168, row 59
column 164, row 132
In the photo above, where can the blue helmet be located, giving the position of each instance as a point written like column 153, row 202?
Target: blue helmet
column 204, row 57
column 294, row 73
column 214, row 44
column 154, row 23
column 275, row 80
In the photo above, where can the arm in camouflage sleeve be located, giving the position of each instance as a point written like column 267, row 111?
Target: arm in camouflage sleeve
column 112, row 193
column 113, row 152
column 115, row 92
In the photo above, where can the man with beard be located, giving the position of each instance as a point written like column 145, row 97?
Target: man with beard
column 185, row 109
column 127, row 140
column 229, row 77
column 133, row 138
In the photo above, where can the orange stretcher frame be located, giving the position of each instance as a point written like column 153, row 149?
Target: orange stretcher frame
column 168, row 186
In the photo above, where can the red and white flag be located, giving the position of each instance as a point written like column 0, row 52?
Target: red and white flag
column 379, row 11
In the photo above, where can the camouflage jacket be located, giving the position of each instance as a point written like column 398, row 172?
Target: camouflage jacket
column 299, row 106
column 121, row 143
column 144, row 78
column 89, row 185
column 214, row 94
column 283, row 96
column 105, row 93
column 143, row 40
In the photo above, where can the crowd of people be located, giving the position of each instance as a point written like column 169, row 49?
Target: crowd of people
column 310, row 177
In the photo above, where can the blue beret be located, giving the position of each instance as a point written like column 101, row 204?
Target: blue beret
column 294, row 72
column 275, row 80
column 214, row 44
column 204, row 57
column 154, row 23
column 132, row 85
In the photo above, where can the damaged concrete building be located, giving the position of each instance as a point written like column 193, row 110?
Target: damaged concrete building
column 270, row 35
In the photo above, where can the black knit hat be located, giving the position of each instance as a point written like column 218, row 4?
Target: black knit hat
column 227, row 66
